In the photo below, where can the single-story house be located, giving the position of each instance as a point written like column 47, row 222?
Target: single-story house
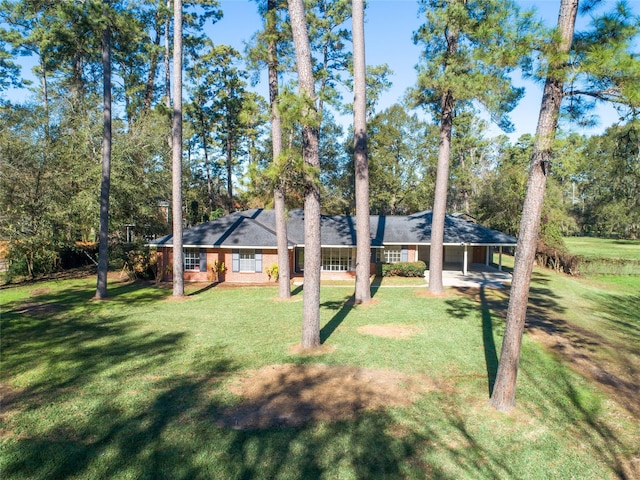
column 245, row 242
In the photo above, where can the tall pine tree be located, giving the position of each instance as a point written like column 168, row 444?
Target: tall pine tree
column 470, row 48
column 312, row 251
column 566, row 71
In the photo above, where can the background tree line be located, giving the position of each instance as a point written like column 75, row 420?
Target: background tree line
column 50, row 141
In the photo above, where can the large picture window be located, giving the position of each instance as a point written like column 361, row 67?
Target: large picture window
column 337, row 259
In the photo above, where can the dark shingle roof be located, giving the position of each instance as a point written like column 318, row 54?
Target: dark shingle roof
column 256, row 228
column 251, row 228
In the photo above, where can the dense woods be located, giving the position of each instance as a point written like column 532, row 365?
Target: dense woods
column 51, row 134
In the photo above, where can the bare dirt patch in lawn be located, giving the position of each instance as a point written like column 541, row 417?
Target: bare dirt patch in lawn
column 8, row 397
column 291, row 395
column 365, row 305
column 389, row 331
column 39, row 291
column 36, row 309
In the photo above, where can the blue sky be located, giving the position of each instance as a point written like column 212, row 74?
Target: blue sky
column 388, row 36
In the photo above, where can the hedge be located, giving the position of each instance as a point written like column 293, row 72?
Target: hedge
column 403, row 269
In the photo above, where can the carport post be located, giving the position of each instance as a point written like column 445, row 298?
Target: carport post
column 465, row 258
column 500, row 259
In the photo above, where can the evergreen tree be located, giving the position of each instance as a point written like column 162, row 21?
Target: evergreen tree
column 178, row 265
column 402, row 153
column 469, row 50
column 360, row 161
column 565, row 71
column 103, row 252
column 312, row 252
column 609, row 183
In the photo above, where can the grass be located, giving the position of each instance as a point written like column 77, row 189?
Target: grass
column 131, row 387
column 603, row 247
column 602, row 256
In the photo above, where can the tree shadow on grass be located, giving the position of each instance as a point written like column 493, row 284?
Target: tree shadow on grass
column 364, row 447
column 376, row 283
column 109, row 404
column 622, row 314
column 542, row 312
column 342, row 309
column 46, row 302
column 609, row 356
column 460, row 307
column 552, row 393
column 96, row 386
column 562, row 398
column 105, row 401
column 203, row 289
column 147, row 440
column 488, row 341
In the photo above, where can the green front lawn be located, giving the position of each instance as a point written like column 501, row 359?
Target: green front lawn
column 132, row 387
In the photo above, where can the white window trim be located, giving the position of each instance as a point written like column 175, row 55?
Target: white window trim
column 250, row 255
column 191, row 258
column 392, row 254
column 342, row 258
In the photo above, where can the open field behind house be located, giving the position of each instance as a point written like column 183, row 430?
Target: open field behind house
column 603, row 247
column 603, row 256
column 144, row 386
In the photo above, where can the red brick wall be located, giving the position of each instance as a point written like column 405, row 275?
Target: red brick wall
column 269, row 257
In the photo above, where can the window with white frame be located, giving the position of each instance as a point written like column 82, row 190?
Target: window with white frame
column 337, row 259
column 247, row 260
column 191, row 259
column 392, row 254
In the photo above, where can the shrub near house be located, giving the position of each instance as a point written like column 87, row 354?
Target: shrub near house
column 403, row 269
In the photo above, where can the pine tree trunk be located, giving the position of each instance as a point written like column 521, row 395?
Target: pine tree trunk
column 178, row 265
column 167, row 65
column 105, row 185
column 503, row 396
column 284, row 277
column 310, row 153
column 436, row 254
column 207, row 167
column 229, row 155
column 153, row 67
column 360, row 160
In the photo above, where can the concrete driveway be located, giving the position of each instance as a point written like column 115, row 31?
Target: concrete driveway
column 478, row 276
